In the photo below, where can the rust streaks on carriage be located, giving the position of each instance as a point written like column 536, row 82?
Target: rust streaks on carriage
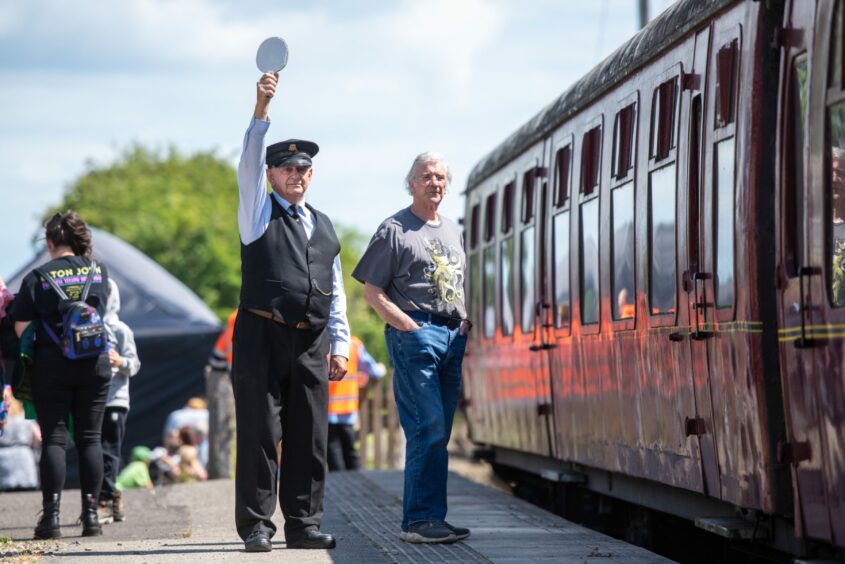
column 690, row 377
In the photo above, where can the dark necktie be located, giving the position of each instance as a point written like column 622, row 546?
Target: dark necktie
column 297, row 218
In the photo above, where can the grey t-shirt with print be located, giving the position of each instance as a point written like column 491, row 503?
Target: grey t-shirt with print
column 419, row 265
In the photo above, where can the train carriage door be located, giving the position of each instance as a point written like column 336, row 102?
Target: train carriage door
column 529, row 332
column 667, row 397
column 544, row 308
column 801, row 266
column 827, row 187
column 558, row 294
column 700, row 424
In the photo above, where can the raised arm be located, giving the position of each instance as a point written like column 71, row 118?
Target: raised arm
column 253, row 211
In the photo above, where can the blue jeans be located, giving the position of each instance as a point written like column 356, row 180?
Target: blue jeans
column 426, row 385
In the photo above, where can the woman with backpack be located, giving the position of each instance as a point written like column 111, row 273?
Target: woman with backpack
column 65, row 300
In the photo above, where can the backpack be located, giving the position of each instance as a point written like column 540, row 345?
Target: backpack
column 83, row 331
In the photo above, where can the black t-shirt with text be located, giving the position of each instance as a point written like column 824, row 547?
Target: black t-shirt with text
column 37, row 301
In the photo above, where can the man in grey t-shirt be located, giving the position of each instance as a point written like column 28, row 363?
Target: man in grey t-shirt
column 413, row 275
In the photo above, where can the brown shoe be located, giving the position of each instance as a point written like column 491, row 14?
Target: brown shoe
column 117, row 507
column 104, row 512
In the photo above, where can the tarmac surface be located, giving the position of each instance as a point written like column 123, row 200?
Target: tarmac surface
column 195, row 523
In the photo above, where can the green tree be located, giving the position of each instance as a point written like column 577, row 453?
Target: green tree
column 363, row 321
column 181, row 211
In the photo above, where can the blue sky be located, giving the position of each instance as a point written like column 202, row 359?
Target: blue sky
column 373, row 82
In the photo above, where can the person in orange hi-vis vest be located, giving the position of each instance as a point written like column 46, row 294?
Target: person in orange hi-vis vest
column 221, row 356
column 343, row 406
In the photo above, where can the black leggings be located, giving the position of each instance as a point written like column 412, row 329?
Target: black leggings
column 61, row 388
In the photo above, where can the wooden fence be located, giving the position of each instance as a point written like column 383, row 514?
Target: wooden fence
column 380, row 440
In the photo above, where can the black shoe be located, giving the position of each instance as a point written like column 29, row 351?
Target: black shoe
column 48, row 525
column 311, row 539
column 258, row 541
column 90, row 522
column 460, row 532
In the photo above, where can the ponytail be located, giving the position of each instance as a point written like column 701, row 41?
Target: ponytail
column 69, row 230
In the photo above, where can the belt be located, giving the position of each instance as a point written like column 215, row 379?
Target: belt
column 278, row 319
column 434, row 319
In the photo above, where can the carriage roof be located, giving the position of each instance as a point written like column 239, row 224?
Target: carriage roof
column 674, row 23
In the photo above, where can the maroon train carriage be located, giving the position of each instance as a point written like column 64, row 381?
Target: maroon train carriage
column 656, row 283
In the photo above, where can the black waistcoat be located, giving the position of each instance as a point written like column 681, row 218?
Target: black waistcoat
column 285, row 273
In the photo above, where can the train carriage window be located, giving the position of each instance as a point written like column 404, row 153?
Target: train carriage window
column 795, row 134
column 489, row 267
column 836, row 182
column 475, row 287
column 507, row 208
column 473, row 226
column 590, row 262
column 661, row 219
column 590, row 157
column 506, row 274
column 663, row 111
column 623, row 142
column 489, row 218
column 528, row 196
column 527, row 278
column 726, row 71
column 561, row 271
column 526, row 254
column 837, row 46
column 506, row 261
column 694, row 182
column 724, row 192
column 835, row 163
column 563, row 165
column 622, row 279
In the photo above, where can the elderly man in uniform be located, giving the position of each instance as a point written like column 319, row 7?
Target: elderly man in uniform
column 413, row 275
column 292, row 312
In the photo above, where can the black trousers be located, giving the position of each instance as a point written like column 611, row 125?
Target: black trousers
column 114, row 429
column 61, row 388
column 280, row 380
column 342, row 454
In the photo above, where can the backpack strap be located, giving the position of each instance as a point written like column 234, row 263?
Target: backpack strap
column 51, row 333
column 44, row 276
column 89, row 279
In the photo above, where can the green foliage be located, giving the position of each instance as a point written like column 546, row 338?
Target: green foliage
column 181, row 211
column 365, row 324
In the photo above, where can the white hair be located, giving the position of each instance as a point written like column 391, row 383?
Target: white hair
column 427, row 157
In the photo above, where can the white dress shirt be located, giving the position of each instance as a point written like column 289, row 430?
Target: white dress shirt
column 255, row 209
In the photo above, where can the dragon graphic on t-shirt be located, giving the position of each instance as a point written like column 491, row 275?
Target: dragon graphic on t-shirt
column 445, row 274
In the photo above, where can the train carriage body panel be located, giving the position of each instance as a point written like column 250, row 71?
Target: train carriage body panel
column 641, row 317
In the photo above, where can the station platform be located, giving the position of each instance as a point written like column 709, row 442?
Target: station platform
column 195, row 523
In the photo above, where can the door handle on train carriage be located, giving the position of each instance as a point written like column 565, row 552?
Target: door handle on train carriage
column 804, row 342
column 541, row 325
column 698, row 334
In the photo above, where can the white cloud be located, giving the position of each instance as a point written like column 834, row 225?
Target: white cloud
column 95, row 34
column 372, row 86
column 448, row 36
column 8, row 18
